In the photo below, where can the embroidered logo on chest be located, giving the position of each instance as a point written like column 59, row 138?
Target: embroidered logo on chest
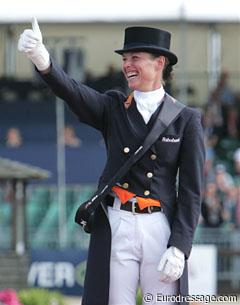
column 170, row 139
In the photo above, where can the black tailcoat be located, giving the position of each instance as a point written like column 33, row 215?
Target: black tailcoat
column 179, row 152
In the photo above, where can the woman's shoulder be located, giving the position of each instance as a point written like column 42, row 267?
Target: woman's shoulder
column 117, row 95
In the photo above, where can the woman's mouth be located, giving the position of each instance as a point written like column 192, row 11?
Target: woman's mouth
column 131, row 75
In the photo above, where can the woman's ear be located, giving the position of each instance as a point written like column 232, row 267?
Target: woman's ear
column 161, row 60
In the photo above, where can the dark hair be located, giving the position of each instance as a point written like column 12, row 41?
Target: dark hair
column 167, row 73
column 168, row 69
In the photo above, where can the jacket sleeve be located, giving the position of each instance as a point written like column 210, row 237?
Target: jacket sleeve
column 190, row 186
column 86, row 103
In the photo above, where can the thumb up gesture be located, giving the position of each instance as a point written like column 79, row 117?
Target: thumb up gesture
column 30, row 43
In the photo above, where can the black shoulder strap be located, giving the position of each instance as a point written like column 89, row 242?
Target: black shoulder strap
column 169, row 112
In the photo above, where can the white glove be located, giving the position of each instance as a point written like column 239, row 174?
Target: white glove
column 30, row 42
column 171, row 265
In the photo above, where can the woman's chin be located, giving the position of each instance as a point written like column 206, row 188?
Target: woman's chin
column 133, row 85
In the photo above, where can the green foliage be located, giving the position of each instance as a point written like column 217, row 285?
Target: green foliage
column 37, row 296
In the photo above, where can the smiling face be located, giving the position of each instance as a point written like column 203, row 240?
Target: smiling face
column 143, row 71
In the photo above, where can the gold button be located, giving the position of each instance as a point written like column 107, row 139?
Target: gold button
column 153, row 157
column 146, row 193
column 149, row 175
column 125, row 185
column 126, row 150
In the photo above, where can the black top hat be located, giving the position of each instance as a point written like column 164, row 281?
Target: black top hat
column 150, row 40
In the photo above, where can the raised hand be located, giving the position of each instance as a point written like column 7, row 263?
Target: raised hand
column 31, row 43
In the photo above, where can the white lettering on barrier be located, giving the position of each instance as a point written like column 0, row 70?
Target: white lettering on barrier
column 50, row 274
column 64, row 274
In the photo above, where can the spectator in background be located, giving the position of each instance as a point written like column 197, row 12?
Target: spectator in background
column 220, row 204
column 212, row 211
column 210, row 140
column 237, row 213
column 221, row 103
column 236, row 160
column 213, row 119
column 224, row 93
column 209, row 163
column 232, row 122
column 210, row 127
column 229, row 207
column 224, row 181
column 236, row 171
column 13, row 138
column 70, row 137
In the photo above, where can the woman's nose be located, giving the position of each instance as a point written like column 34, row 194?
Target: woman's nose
column 126, row 63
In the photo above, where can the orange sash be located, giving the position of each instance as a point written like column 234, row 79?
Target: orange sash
column 143, row 203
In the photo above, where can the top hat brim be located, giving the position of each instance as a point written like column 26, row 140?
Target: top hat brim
column 150, row 49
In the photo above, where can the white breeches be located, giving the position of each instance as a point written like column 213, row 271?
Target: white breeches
column 138, row 241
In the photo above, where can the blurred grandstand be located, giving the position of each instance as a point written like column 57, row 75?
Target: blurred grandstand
column 205, row 47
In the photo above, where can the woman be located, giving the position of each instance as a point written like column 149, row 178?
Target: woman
column 147, row 234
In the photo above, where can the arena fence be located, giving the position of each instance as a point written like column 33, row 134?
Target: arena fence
column 227, row 242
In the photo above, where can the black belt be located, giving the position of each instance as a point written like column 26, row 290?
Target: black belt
column 133, row 206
